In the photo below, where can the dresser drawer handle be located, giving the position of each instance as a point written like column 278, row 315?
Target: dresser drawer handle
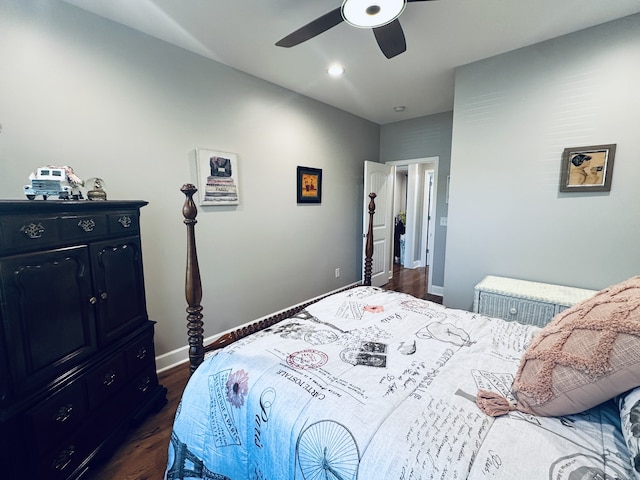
column 125, row 221
column 94, row 300
column 513, row 310
column 87, row 225
column 64, row 413
column 143, row 386
column 32, row 230
column 141, row 353
column 109, row 378
column 64, row 458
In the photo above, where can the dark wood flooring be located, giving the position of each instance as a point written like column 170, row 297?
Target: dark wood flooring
column 143, row 455
column 412, row 281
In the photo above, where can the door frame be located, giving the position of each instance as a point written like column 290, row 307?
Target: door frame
column 432, row 213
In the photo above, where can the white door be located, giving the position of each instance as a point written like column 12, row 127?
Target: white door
column 378, row 179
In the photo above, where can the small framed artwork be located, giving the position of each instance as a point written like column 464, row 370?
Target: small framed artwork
column 309, row 185
column 217, row 177
column 587, row 169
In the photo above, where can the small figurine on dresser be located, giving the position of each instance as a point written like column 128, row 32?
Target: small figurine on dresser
column 98, row 192
column 59, row 181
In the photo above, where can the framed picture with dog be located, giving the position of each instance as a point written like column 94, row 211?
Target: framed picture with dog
column 587, row 169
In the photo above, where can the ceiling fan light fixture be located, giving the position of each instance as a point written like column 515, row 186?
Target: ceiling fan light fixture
column 371, row 13
column 335, row 70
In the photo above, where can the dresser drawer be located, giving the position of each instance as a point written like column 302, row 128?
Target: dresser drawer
column 143, row 385
column 65, row 458
column 140, row 354
column 99, row 425
column 126, row 223
column 25, row 233
column 106, row 380
column 79, row 228
column 515, row 309
column 57, row 416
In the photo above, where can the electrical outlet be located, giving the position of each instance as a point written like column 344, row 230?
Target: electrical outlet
column 337, row 273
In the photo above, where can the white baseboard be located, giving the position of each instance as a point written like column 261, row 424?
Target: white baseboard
column 172, row 359
column 437, row 290
column 181, row 355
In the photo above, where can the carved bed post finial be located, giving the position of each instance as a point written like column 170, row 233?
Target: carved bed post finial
column 368, row 251
column 193, row 285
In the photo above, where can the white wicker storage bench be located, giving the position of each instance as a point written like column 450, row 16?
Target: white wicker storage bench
column 524, row 301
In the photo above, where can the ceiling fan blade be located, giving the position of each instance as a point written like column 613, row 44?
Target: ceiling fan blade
column 310, row 30
column 390, row 38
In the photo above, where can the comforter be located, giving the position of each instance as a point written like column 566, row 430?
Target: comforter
column 374, row 384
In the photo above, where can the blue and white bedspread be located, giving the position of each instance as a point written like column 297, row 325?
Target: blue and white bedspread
column 373, row 384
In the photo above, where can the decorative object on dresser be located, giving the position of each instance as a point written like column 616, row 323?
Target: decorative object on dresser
column 77, row 361
column 51, row 181
column 97, row 193
column 524, row 301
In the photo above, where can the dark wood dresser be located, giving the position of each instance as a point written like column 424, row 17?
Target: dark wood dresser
column 77, row 360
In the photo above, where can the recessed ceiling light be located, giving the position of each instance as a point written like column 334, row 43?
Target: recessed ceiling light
column 399, row 108
column 335, row 70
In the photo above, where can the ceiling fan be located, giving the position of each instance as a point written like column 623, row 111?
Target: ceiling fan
column 380, row 15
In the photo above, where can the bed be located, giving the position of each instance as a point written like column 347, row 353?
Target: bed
column 372, row 384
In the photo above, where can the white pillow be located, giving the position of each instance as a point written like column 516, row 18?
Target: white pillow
column 629, row 405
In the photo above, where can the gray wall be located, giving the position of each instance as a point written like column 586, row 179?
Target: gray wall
column 428, row 136
column 78, row 90
column 513, row 116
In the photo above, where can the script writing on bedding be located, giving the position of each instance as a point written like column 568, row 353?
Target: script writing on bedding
column 373, row 384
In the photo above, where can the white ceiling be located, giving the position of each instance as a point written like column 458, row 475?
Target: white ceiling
column 440, row 35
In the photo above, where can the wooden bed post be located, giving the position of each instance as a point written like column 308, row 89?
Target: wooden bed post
column 193, row 288
column 368, row 250
column 193, row 284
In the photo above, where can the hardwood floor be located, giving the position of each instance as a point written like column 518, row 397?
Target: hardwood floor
column 412, row 281
column 143, row 456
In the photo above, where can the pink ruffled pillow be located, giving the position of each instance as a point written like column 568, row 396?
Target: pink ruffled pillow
column 586, row 355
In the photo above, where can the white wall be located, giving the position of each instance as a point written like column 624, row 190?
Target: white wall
column 513, row 116
column 82, row 91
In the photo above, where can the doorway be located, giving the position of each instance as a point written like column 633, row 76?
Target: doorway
column 415, row 188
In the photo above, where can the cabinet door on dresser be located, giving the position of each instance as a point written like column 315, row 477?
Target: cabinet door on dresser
column 46, row 296
column 119, row 285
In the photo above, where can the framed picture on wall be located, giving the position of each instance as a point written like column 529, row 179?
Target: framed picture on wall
column 309, row 185
column 587, row 169
column 217, row 177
